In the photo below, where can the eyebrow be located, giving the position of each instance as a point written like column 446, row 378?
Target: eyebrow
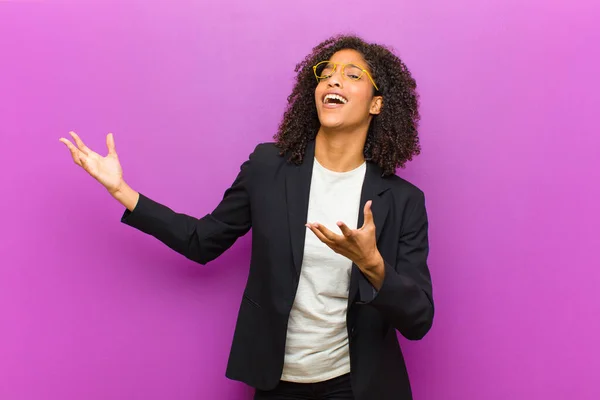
column 358, row 64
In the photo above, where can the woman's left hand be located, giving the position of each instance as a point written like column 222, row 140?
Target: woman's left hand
column 359, row 245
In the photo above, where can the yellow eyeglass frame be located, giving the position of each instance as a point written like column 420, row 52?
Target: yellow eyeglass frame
column 335, row 65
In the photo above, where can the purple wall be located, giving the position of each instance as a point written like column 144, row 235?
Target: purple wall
column 91, row 309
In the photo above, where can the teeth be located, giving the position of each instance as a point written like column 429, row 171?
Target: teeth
column 336, row 97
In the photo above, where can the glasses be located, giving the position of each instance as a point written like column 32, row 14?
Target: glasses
column 326, row 69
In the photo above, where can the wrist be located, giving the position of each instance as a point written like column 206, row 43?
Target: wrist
column 374, row 270
column 373, row 263
column 125, row 195
column 119, row 189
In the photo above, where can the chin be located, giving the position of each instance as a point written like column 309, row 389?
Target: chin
column 332, row 127
column 331, row 123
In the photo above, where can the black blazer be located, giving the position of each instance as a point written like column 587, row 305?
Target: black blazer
column 270, row 195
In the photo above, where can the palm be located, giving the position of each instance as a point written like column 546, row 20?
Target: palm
column 106, row 170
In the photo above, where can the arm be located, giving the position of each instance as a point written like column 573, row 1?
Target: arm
column 201, row 240
column 404, row 291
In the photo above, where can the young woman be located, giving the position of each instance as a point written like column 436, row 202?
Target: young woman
column 339, row 242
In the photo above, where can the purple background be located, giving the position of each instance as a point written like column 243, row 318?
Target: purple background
column 92, row 309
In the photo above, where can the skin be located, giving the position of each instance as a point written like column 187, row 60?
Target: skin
column 338, row 146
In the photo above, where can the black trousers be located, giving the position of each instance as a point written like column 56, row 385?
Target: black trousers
column 333, row 389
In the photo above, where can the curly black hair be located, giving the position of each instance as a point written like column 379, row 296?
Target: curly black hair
column 392, row 139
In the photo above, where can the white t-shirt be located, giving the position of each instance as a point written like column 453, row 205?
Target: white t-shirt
column 317, row 338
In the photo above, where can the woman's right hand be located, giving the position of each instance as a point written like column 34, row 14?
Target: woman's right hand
column 106, row 170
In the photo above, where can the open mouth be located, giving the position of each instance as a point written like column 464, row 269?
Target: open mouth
column 334, row 99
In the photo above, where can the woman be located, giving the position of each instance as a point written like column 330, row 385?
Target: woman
column 339, row 242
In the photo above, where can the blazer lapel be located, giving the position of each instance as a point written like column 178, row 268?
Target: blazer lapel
column 297, row 189
column 373, row 188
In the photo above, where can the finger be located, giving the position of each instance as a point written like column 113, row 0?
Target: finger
column 75, row 153
column 84, row 149
column 344, row 228
column 319, row 234
column 110, row 143
column 368, row 214
column 326, row 232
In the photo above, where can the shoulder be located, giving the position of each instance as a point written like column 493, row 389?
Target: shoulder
column 265, row 150
column 402, row 188
column 266, row 154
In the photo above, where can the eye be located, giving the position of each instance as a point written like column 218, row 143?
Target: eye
column 325, row 69
column 353, row 71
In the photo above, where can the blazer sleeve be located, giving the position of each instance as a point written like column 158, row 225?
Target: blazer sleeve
column 199, row 239
column 405, row 297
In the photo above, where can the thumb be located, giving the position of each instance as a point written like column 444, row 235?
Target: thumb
column 368, row 213
column 110, row 143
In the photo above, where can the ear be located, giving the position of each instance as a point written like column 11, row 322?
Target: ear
column 376, row 105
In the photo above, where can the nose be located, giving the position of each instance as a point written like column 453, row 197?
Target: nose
column 335, row 80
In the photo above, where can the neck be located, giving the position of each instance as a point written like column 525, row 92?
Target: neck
column 339, row 151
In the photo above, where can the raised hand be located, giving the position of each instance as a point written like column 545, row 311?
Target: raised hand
column 358, row 245
column 106, row 170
